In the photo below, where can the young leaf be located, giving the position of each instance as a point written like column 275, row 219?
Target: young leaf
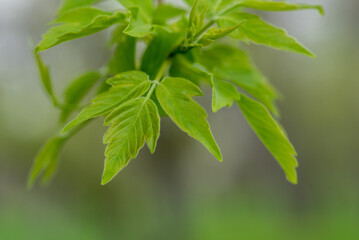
column 131, row 124
column 139, row 25
column 46, row 158
column 125, row 86
column 271, row 135
column 272, row 6
column 145, row 6
column 124, row 56
column 45, row 79
column 261, row 32
column 216, row 33
column 75, row 92
column 232, row 64
column 165, row 12
column 223, row 94
column 174, row 95
column 73, row 30
column 159, row 49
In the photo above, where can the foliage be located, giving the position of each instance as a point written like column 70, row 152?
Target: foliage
column 186, row 48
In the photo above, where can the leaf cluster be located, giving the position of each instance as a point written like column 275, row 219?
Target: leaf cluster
column 186, row 49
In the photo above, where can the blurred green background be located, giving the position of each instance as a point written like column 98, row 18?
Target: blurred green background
column 182, row 192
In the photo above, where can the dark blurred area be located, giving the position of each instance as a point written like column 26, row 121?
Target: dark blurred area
column 182, row 192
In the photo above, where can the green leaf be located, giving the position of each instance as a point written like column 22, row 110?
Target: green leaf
column 145, row 6
column 234, row 65
column 223, row 95
column 71, row 4
column 46, row 79
column 271, row 135
column 165, row 12
column 73, row 30
column 261, row 32
column 139, row 26
column 76, row 91
column 131, row 124
column 125, row 86
column 124, row 55
column 195, row 23
column 79, row 16
column 183, row 68
column 274, row 6
column 175, row 96
column 46, row 160
column 159, row 49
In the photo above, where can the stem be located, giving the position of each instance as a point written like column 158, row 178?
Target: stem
column 158, row 78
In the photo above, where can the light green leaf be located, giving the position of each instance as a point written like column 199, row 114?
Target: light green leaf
column 145, row 6
column 159, row 49
column 71, row 4
column 165, row 12
column 124, row 56
column 73, row 30
column 223, row 94
column 273, row 6
column 80, row 16
column 46, row 79
column 234, row 65
column 47, row 158
column 131, row 124
column 271, row 135
column 195, row 23
column 139, row 26
column 261, row 32
column 175, row 96
column 183, row 68
column 125, row 86
column 76, row 91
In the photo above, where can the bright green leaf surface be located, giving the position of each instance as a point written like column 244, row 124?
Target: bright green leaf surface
column 69, row 31
column 145, row 6
column 165, row 12
column 175, row 96
column 139, row 26
column 71, row 4
column 223, row 94
column 131, row 124
column 216, row 33
column 271, row 135
column 232, row 64
column 126, row 85
column 76, row 91
column 261, row 32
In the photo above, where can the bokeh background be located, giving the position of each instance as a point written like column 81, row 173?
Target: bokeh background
column 182, row 192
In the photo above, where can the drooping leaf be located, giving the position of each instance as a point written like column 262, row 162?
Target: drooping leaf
column 125, row 86
column 73, row 30
column 131, row 124
column 175, row 96
column 46, row 79
column 258, row 31
column 271, row 135
column 159, row 49
column 165, row 12
column 139, row 25
column 76, row 91
column 124, row 56
column 232, row 64
column 273, row 5
column 47, row 158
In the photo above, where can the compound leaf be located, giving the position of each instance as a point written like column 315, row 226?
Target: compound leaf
column 83, row 27
column 131, row 124
column 261, row 32
column 271, row 135
column 175, row 96
column 125, row 86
